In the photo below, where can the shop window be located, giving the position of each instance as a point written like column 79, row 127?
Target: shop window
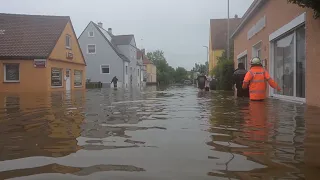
column 56, row 77
column 11, row 73
column 289, row 64
column 77, row 78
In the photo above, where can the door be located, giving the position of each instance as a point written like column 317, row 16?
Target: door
column 68, row 81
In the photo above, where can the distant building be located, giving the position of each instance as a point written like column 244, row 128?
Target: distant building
column 287, row 43
column 108, row 55
column 150, row 75
column 39, row 53
column 218, row 38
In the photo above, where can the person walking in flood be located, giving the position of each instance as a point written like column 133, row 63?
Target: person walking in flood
column 238, row 77
column 115, row 82
column 257, row 76
column 201, row 81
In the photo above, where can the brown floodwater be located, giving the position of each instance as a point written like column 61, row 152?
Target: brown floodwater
column 169, row 133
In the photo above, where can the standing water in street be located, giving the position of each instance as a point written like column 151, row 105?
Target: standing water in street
column 176, row 133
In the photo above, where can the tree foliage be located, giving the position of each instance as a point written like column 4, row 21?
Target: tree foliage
column 165, row 73
column 201, row 68
column 223, row 71
column 313, row 4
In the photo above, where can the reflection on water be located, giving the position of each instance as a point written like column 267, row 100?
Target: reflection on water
column 157, row 133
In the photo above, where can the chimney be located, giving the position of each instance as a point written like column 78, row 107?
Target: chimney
column 236, row 16
column 100, row 24
column 110, row 30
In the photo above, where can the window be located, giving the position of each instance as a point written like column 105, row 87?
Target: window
column 68, row 41
column 11, row 73
column 256, row 50
column 77, row 78
column 56, row 77
column 244, row 60
column 138, row 72
column 126, row 70
column 91, row 34
column 91, row 48
column 105, row 69
column 289, row 63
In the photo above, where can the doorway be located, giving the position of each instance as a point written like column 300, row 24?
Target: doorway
column 68, row 79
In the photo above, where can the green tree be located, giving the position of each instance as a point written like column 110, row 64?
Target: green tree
column 180, row 74
column 223, row 71
column 313, row 4
column 165, row 73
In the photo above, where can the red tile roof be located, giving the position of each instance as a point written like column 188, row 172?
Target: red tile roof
column 219, row 29
column 29, row 36
column 146, row 60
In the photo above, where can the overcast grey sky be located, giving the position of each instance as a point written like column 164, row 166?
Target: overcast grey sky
column 178, row 27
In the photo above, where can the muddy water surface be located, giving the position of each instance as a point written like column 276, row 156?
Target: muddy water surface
column 172, row 133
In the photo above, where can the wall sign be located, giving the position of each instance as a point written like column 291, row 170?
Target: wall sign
column 69, row 55
column 257, row 27
column 40, row 63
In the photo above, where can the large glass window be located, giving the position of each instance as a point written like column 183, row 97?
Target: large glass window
column 56, row 77
column 301, row 62
column 289, row 64
column 77, row 78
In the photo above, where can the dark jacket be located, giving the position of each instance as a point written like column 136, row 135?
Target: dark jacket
column 238, row 77
column 114, row 80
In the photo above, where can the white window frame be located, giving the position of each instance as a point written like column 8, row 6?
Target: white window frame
column 5, row 76
column 75, row 76
column 291, row 27
column 95, row 48
column 70, row 42
column 241, row 55
column 105, row 65
column 61, row 77
column 90, row 35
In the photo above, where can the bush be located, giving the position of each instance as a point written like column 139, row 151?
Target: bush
column 223, row 73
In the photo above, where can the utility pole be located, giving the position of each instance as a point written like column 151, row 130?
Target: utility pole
column 228, row 40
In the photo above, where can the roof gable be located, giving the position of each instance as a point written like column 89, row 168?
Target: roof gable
column 106, row 36
column 219, row 30
column 29, row 36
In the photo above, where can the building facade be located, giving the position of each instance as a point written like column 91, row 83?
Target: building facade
column 288, row 45
column 39, row 53
column 218, row 38
column 150, row 69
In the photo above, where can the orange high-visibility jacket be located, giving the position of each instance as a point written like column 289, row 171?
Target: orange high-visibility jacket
column 258, row 78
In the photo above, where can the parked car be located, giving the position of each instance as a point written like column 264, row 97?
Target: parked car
column 187, row 82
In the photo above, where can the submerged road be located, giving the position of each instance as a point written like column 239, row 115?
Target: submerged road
column 173, row 133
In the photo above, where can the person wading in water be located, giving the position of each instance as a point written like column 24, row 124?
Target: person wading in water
column 115, row 82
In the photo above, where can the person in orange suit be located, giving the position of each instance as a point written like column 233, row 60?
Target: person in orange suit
column 257, row 78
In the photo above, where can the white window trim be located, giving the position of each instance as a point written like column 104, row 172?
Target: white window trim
column 254, row 48
column 81, row 78
column 244, row 53
column 61, row 78
column 89, row 34
column 271, row 55
column 105, row 65
column 95, row 47
column 291, row 25
column 5, row 76
column 70, row 43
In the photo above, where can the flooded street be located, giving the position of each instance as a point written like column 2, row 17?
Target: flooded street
column 172, row 133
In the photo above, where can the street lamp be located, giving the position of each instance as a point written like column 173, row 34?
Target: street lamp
column 207, row 56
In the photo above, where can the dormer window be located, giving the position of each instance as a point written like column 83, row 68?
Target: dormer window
column 91, row 34
column 68, row 41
